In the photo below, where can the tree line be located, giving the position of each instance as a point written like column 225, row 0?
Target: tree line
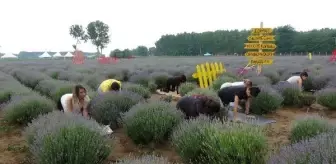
column 287, row 39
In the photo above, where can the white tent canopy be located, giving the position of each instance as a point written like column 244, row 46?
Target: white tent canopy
column 45, row 55
column 68, row 55
column 57, row 55
column 8, row 55
column 207, row 54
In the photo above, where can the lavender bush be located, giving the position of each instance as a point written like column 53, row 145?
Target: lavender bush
column 291, row 93
column 151, row 122
column 260, row 80
column 272, row 75
column 327, row 97
column 186, row 87
column 320, row 149
column 160, row 78
column 137, row 88
column 66, row 138
column 27, row 108
column 142, row 79
column 71, row 76
column 221, row 80
column 94, row 80
column 187, row 139
column 146, row 159
column 30, row 78
column 237, row 144
column 308, row 128
column 106, row 108
column 268, row 100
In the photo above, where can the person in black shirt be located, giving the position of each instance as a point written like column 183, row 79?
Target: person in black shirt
column 237, row 93
column 193, row 106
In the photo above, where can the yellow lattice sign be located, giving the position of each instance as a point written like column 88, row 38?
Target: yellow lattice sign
column 208, row 72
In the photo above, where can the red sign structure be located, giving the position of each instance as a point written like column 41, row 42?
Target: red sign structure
column 107, row 60
column 78, row 57
column 333, row 56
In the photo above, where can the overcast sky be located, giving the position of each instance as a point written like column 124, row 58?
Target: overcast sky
column 43, row 25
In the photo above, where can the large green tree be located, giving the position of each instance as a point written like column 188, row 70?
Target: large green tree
column 98, row 33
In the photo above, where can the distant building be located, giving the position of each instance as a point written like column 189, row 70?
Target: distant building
column 45, row 55
column 9, row 56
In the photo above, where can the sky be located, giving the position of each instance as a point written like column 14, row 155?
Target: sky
column 43, row 25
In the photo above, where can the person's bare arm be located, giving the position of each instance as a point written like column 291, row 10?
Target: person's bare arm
column 235, row 107
column 247, row 105
column 69, row 102
column 300, row 83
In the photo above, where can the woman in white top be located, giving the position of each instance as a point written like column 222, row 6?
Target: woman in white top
column 75, row 102
column 239, row 83
column 296, row 80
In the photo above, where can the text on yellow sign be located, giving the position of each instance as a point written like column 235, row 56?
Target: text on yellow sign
column 258, row 31
column 261, row 38
column 261, row 61
column 260, row 46
column 261, row 54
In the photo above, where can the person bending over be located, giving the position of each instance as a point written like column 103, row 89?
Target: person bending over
column 193, row 106
column 109, row 85
column 237, row 93
column 75, row 102
column 296, row 80
column 173, row 83
column 240, row 83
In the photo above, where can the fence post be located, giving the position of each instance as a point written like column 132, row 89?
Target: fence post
column 199, row 75
column 208, row 73
column 213, row 71
column 204, row 76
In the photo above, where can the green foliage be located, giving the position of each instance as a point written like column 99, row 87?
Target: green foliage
column 238, row 144
column 27, row 108
column 160, row 79
column 139, row 89
column 146, row 159
column 203, row 91
column 151, row 122
column 291, row 96
column 272, row 75
column 201, row 140
column 221, row 80
column 307, row 99
column 5, row 96
column 152, row 86
column 327, row 98
column 308, row 128
column 107, row 108
column 268, row 100
column 187, row 138
column 216, row 42
column 98, row 33
column 76, row 145
column 78, row 33
column 186, row 87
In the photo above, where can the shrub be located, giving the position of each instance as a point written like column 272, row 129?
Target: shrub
column 152, row 86
column 240, row 143
column 30, row 78
column 307, row 99
column 27, row 108
column 327, row 97
column 260, row 80
column 186, row 87
column 94, row 81
column 272, row 75
column 221, row 80
column 141, row 79
column 187, row 138
column 66, row 138
column 146, row 159
column 268, row 100
column 139, row 89
column 151, row 122
column 106, row 108
column 160, row 78
column 5, row 96
column 308, row 128
column 71, row 76
column 320, row 149
column 290, row 93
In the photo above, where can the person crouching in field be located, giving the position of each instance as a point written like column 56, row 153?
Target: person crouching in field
column 173, row 83
column 75, row 102
column 193, row 106
column 296, row 79
column 238, row 93
column 109, row 85
column 240, row 83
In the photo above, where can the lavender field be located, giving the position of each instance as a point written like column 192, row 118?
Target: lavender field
column 147, row 127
